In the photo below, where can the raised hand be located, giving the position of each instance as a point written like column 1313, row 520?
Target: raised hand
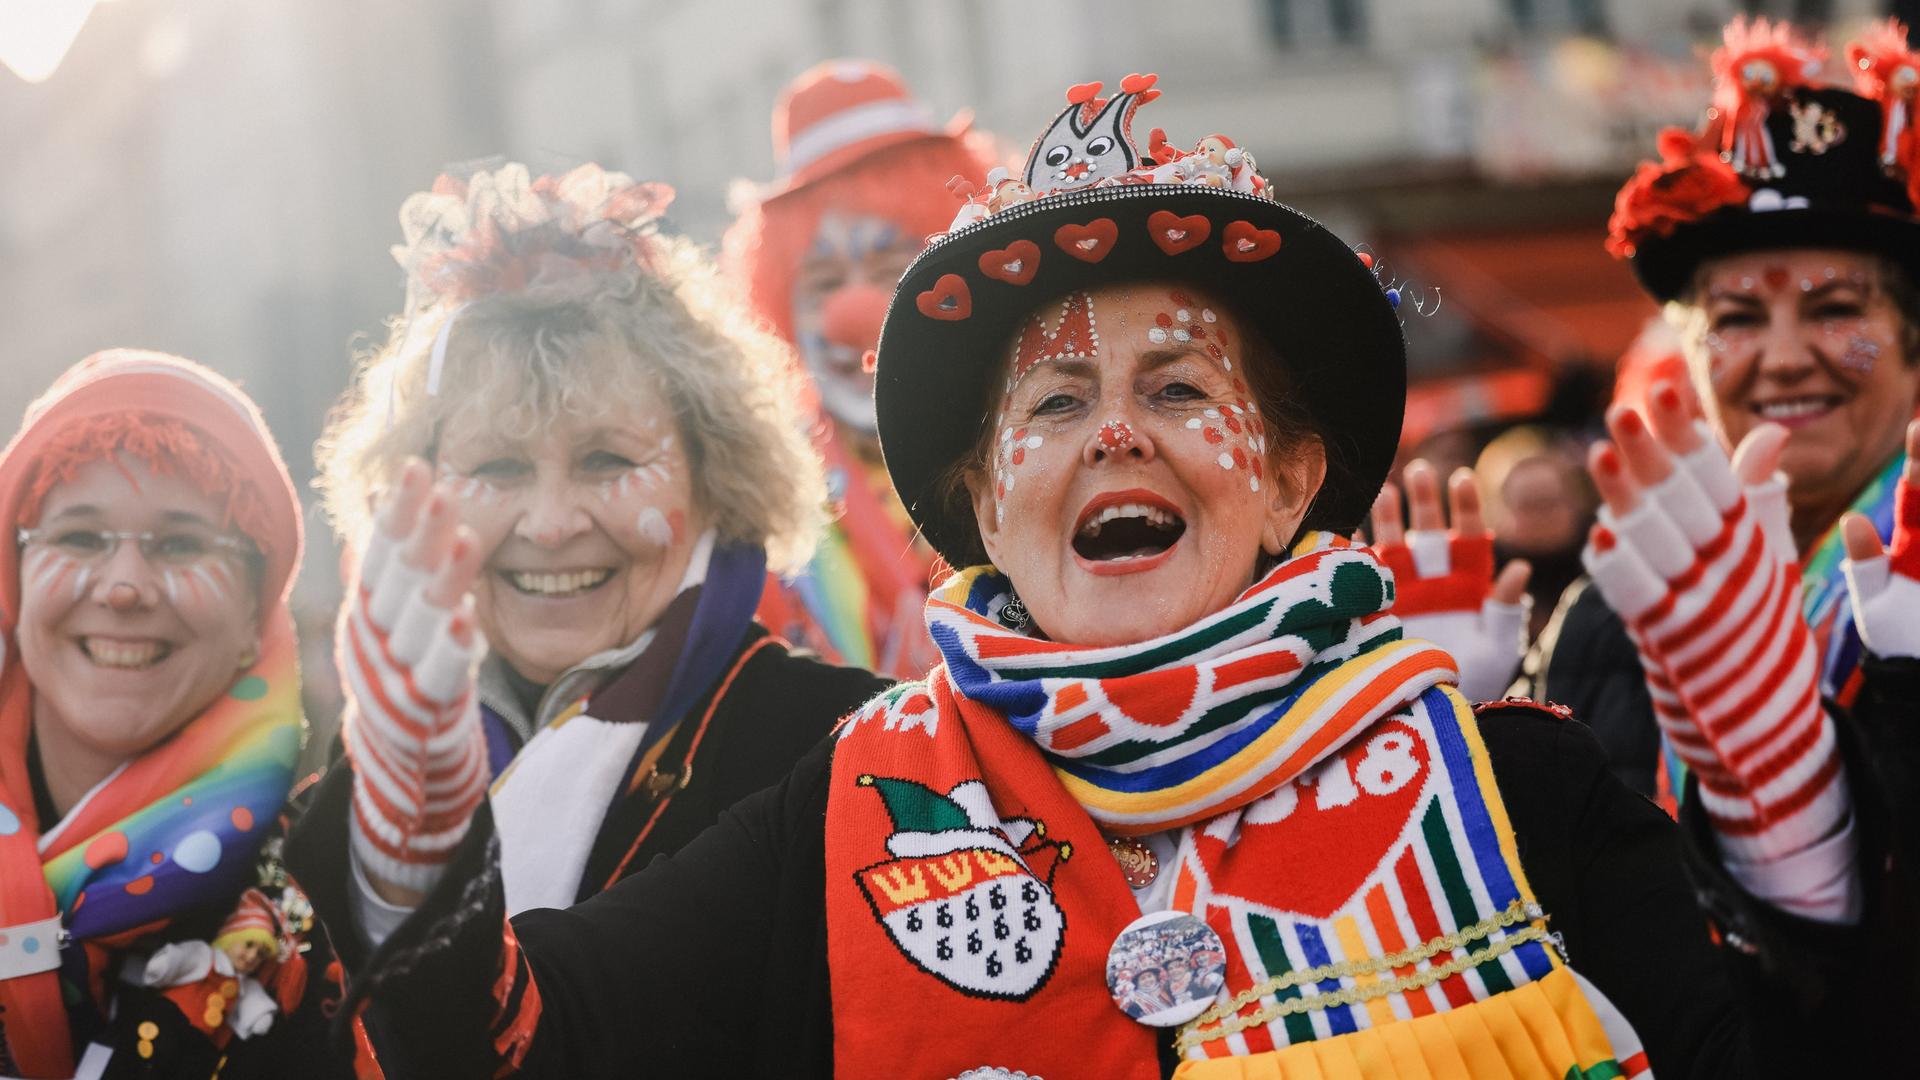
column 1884, row 584
column 1444, row 586
column 1694, row 554
column 406, row 648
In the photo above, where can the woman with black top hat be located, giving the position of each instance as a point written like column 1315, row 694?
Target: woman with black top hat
column 1176, row 719
column 1784, row 243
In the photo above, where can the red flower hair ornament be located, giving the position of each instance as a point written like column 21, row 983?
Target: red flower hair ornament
column 1686, row 184
column 1887, row 71
column 1758, row 63
column 502, row 231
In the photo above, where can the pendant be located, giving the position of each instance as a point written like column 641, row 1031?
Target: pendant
column 1166, row 968
column 1138, row 864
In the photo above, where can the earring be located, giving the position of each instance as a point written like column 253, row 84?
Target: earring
column 1014, row 613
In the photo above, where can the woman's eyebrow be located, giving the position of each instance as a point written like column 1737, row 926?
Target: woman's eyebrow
column 1153, row 359
column 1071, row 366
column 185, row 517
column 1826, row 290
column 76, row 510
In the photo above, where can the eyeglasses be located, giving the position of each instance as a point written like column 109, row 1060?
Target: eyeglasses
column 176, row 548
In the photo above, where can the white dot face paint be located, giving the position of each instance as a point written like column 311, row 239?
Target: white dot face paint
column 587, row 529
column 1810, row 340
column 117, row 677
column 1135, row 433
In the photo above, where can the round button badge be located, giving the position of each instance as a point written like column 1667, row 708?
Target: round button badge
column 1166, row 968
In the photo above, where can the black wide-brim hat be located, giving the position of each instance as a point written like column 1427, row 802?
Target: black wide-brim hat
column 1318, row 306
column 1834, row 194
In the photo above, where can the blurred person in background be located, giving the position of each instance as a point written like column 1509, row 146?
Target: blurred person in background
column 1176, row 718
column 1538, row 505
column 149, row 725
column 863, row 173
column 1779, row 644
column 1602, row 679
column 611, row 456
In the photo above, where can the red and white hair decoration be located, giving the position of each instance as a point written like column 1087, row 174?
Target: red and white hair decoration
column 1887, row 70
column 1759, row 63
column 504, row 231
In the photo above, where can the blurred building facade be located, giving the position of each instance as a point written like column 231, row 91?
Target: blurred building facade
column 220, row 178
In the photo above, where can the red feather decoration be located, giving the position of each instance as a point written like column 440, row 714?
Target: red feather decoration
column 1760, row 61
column 1887, row 70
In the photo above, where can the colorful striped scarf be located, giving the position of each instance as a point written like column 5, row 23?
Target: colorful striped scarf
column 180, row 827
column 1340, row 830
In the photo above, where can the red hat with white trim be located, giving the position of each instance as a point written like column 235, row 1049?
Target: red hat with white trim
column 839, row 112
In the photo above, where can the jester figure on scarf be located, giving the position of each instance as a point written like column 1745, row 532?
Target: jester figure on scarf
column 149, row 725
column 864, row 180
column 1182, row 795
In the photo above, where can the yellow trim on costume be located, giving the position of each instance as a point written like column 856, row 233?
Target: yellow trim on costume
column 1363, row 965
column 1347, row 929
column 1534, row 1032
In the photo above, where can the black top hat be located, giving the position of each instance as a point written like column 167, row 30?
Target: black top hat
column 1781, row 163
column 1111, row 213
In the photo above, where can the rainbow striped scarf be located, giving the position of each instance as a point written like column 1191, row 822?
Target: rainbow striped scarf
column 1340, row 830
column 176, row 830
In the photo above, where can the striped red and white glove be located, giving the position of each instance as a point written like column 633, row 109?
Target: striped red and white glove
column 1884, row 585
column 1701, row 569
column 407, row 649
column 1443, row 581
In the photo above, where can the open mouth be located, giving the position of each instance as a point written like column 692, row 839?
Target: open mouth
column 1796, row 410
column 560, row 584
column 1126, row 527
column 127, row 654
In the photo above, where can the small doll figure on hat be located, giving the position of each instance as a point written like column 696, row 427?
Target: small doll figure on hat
column 1006, row 190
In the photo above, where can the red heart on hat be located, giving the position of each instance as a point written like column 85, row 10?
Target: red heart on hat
column 1090, row 242
column 1244, row 243
column 1176, row 234
column 1081, row 93
column 1014, row 264
column 949, row 300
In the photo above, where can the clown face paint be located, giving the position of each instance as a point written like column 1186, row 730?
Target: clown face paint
column 1808, row 340
column 1234, row 431
column 588, row 531
column 122, row 650
column 1108, row 505
column 840, row 298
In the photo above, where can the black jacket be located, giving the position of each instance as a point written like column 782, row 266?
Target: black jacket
column 1585, row 661
column 744, row 734
column 714, row 962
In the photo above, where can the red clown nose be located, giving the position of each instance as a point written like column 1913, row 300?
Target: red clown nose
column 852, row 315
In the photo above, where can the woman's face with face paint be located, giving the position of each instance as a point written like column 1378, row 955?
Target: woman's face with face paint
column 840, row 298
column 588, row 529
column 1130, row 490
column 124, row 646
column 1810, row 340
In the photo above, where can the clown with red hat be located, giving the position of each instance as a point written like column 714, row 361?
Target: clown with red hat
column 863, row 174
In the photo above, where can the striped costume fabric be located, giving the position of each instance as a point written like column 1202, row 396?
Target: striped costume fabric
column 1703, row 574
column 411, row 725
column 1338, row 825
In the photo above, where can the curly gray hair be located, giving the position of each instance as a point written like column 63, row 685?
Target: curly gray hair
column 590, row 348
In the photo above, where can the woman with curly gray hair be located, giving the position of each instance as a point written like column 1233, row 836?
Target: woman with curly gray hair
column 603, row 456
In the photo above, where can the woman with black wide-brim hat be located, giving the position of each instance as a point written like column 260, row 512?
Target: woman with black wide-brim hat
column 1783, row 241
column 1177, row 728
